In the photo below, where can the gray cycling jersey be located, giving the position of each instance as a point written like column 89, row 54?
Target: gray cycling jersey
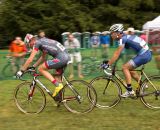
column 49, row 46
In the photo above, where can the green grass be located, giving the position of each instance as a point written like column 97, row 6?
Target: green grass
column 127, row 115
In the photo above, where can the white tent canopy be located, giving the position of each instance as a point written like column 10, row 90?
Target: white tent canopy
column 154, row 24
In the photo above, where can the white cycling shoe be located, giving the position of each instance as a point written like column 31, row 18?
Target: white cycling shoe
column 128, row 94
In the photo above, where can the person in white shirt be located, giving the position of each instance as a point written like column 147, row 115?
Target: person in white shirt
column 73, row 46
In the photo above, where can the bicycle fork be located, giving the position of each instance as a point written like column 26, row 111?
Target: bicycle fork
column 31, row 91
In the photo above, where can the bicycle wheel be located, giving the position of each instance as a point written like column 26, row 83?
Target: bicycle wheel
column 8, row 70
column 108, row 91
column 150, row 96
column 27, row 105
column 79, row 96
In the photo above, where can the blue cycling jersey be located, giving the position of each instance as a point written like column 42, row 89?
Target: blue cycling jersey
column 134, row 42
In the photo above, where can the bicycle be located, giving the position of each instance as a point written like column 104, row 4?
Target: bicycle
column 89, row 64
column 77, row 96
column 12, row 67
column 9, row 69
column 109, row 90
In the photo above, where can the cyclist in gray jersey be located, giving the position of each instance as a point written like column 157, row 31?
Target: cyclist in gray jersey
column 59, row 61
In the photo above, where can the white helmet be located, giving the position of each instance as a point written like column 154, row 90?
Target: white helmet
column 28, row 37
column 116, row 28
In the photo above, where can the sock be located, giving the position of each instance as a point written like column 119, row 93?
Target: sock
column 129, row 87
column 55, row 82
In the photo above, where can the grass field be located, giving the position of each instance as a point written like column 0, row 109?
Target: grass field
column 127, row 115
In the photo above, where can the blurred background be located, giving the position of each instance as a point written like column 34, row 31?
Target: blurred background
column 82, row 18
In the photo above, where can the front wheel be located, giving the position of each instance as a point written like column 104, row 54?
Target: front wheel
column 150, row 92
column 79, row 96
column 29, row 104
column 108, row 91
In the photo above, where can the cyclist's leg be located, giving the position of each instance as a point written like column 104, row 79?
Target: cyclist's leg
column 134, row 63
column 126, row 70
column 50, row 64
column 55, row 63
column 58, row 74
column 135, row 75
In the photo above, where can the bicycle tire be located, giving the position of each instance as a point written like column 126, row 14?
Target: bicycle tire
column 149, row 96
column 21, row 97
column 7, row 71
column 109, row 97
column 86, row 92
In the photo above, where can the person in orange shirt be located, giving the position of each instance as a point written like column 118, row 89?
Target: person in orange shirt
column 18, row 51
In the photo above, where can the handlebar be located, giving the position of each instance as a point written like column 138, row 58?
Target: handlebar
column 31, row 72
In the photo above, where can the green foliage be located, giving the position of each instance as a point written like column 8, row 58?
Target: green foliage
column 28, row 16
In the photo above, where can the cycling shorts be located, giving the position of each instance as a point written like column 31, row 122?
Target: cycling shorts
column 58, row 62
column 141, row 59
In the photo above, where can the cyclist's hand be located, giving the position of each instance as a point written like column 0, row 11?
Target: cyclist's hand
column 19, row 74
column 104, row 64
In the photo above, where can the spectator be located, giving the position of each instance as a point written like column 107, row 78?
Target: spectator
column 95, row 41
column 17, row 51
column 105, row 41
column 73, row 47
column 130, row 31
column 41, row 34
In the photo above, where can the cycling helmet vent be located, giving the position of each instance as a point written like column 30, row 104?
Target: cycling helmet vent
column 116, row 28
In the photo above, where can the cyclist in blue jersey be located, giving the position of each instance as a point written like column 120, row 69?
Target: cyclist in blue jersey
column 59, row 60
column 133, row 42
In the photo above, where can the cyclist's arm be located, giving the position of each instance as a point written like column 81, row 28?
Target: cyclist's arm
column 116, row 55
column 40, row 60
column 29, row 60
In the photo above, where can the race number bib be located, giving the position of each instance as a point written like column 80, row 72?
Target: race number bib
column 60, row 46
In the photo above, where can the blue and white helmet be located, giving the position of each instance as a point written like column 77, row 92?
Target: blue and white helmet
column 116, row 28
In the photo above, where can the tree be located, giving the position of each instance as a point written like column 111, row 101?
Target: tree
column 19, row 17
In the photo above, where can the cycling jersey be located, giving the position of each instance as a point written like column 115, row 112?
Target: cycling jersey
column 56, row 50
column 139, row 46
column 134, row 42
column 49, row 46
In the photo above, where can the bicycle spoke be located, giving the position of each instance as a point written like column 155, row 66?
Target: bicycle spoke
column 108, row 92
column 76, row 104
column 33, row 105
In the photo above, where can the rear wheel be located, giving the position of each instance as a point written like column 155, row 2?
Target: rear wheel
column 26, row 104
column 79, row 96
column 150, row 92
column 108, row 91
